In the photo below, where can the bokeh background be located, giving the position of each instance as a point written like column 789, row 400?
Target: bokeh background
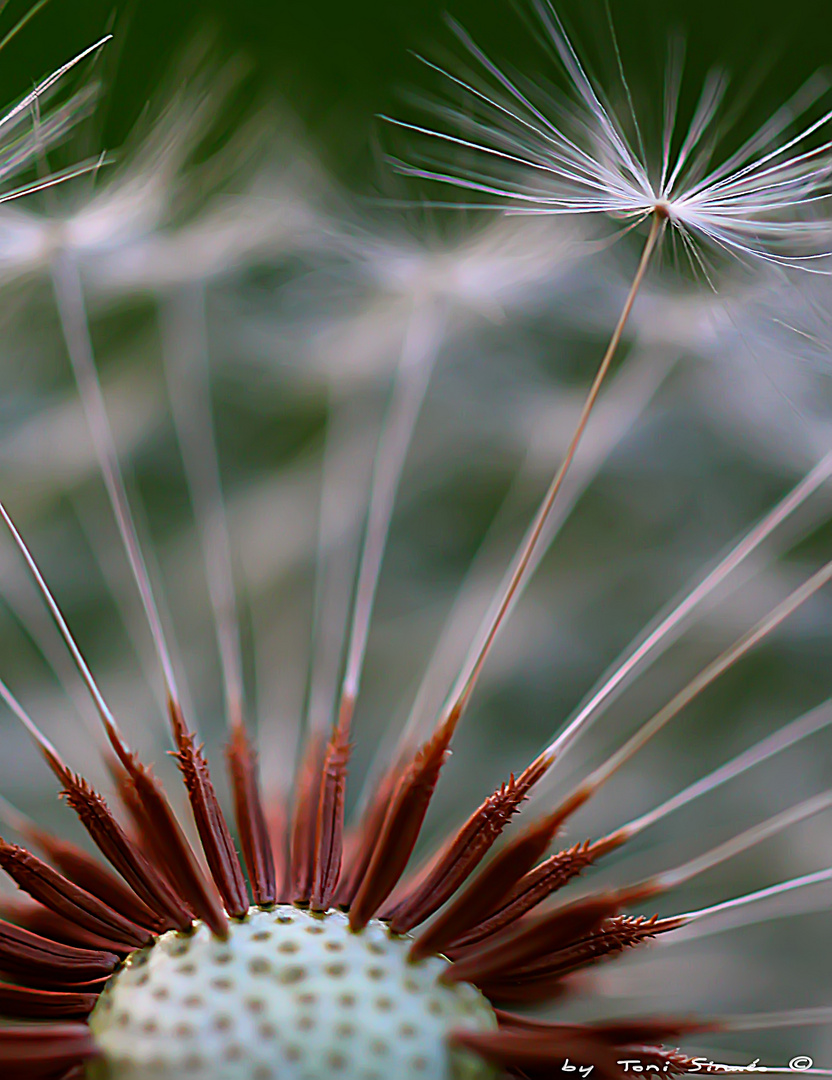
column 341, row 64
column 280, row 263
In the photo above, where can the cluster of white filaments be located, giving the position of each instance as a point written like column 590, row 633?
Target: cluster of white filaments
column 547, row 153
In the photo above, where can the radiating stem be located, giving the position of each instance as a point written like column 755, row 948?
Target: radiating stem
column 626, row 399
column 782, row 739
column 419, row 352
column 652, row 643
column 671, row 879
column 694, row 688
column 71, row 308
column 408, row 804
column 107, row 718
column 186, row 367
column 782, row 888
column 464, row 687
column 345, row 475
column 412, row 378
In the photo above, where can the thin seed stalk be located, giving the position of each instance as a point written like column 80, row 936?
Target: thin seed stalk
column 460, row 697
column 409, row 804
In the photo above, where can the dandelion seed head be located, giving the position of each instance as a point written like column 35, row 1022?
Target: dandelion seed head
column 544, row 152
column 296, row 939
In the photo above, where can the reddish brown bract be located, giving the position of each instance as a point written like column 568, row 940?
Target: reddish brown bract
column 484, row 926
column 400, row 831
column 251, row 817
column 214, row 833
column 465, row 850
column 329, row 822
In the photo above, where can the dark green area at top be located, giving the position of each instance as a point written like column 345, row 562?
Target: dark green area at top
column 338, row 64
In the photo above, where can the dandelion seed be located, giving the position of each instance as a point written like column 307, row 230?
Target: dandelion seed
column 748, row 205
column 762, row 205
column 583, row 168
column 574, row 155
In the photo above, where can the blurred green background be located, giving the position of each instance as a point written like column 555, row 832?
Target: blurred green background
column 341, row 63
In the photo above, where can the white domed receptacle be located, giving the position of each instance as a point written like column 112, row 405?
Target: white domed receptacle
column 291, row 995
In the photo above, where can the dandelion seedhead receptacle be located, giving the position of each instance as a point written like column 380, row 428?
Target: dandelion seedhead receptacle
column 289, row 994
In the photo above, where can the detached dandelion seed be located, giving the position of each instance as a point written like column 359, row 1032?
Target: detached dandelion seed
column 575, row 157
column 542, row 154
column 756, row 205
